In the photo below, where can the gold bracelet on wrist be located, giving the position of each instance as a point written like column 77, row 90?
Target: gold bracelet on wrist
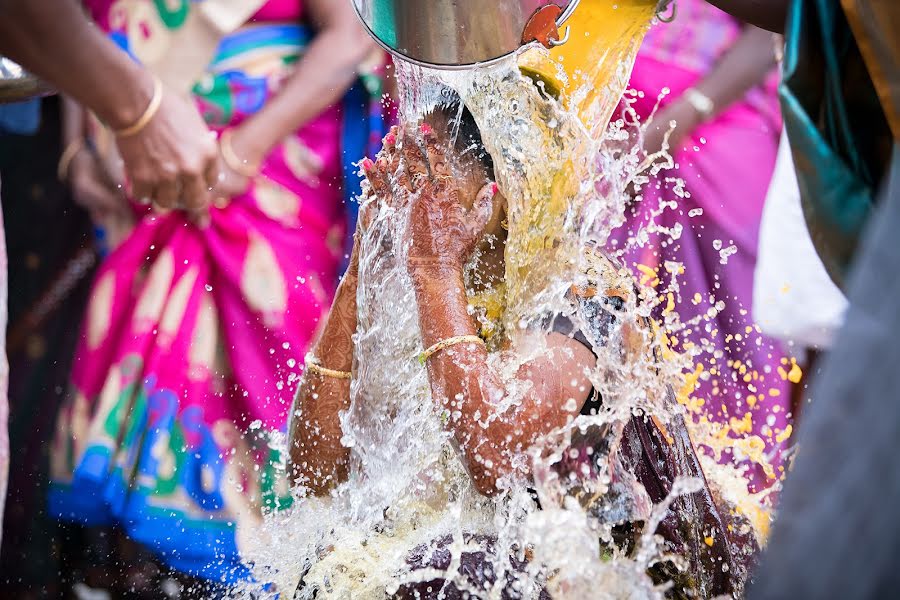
column 234, row 162
column 444, row 344
column 700, row 102
column 149, row 112
column 313, row 366
column 66, row 158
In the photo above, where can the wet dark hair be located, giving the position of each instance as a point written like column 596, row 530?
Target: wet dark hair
column 468, row 135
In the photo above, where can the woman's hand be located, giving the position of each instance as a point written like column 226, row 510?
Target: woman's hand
column 240, row 162
column 93, row 189
column 380, row 189
column 443, row 231
column 172, row 161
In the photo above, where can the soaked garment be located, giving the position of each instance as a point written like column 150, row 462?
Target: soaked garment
column 718, row 548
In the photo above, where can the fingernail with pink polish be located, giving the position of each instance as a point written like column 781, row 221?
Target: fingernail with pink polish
column 495, row 189
column 390, row 139
column 426, row 128
column 367, row 164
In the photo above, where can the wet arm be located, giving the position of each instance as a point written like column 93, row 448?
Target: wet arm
column 470, row 391
column 767, row 14
column 318, row 459
column 325, row 72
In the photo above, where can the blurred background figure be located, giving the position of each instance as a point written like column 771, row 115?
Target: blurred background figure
column 197, row 322
column 51, row 259
column 718, row 83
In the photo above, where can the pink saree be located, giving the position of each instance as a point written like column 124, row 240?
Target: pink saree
column 195, row 336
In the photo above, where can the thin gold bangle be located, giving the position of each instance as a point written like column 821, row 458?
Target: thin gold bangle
column 149, row 112
column 313, row 366
column 443, row 344
column 66, row 158
column 234, row 162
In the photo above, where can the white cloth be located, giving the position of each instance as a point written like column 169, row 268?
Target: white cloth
column 794, row 299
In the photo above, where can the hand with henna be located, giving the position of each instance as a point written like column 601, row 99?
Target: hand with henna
column 444, row 231
column 445, row 226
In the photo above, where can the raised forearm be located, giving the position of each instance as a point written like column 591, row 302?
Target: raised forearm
column 54, row 40
column 747, row 63
column 490, row 432
column 459, row 375
column 767, row 14
column 318, row 459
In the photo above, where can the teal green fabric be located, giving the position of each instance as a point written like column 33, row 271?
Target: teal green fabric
column 837, row 129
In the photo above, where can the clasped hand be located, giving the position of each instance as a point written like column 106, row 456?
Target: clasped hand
column 417, row 170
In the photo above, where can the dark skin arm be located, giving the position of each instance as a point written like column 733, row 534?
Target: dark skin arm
column 444, row 233
column 173, row 158
column 317, row 458
column 766, row 14
column 469, row 390
column 749, row 60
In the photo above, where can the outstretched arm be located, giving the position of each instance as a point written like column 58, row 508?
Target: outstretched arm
column 172, row 158
column 767, row 14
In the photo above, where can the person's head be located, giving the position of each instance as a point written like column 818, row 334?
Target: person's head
column 471, row 164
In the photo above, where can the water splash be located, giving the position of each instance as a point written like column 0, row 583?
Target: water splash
column 409, row 503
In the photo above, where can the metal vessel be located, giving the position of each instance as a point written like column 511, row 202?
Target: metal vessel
column 453, row 34
column 17, row 84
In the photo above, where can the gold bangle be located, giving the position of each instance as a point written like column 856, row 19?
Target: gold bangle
column 700, row 102
column 149, row 112
column 443, row 344
column 313, row 366
column 234, row 162
column 66, row 158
